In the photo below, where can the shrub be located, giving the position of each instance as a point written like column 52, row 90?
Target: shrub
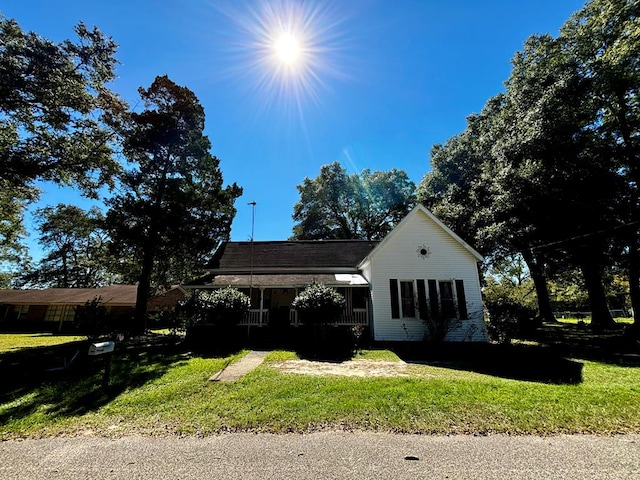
column 92, row 320
column 439, row 326
column 507, row 319
column 318, row 304
column 224, row 307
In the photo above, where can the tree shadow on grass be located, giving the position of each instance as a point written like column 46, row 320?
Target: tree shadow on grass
column 552, row 354
column 28, row 385
column 573, row 341
column 517, row 362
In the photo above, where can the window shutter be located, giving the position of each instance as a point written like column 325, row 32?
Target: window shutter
column 422, row 300
column 395, row 301
column 433, row 299
column 462, row 301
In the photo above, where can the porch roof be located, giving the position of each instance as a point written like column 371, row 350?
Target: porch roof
column 278, row 280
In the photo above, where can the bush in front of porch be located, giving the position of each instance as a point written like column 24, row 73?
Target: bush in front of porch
column 215, row 316
column 320, row 307
column 318, row 304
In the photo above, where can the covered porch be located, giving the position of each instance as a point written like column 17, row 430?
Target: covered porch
column 271, row 296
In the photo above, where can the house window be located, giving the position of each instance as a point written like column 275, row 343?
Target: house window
column 21, row 311
column 403, row 302
column 435, row 298
column 359, row 297
column 57, row 313
column 446, row 298
column 407, row 299
column 447, row 305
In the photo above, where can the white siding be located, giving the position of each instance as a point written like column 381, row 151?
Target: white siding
column 399, row 258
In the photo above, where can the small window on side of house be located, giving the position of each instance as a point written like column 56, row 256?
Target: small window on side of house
column 407, row 299
column 447, row 304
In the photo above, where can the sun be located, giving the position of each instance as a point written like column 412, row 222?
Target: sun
column 286, row 53
column 288, row 49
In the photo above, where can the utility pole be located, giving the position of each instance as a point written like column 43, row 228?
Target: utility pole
column 253, row 214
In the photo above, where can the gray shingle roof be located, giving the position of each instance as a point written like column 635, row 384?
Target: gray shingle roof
column 301, row 255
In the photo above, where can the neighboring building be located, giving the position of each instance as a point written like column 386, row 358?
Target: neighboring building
column 166, row 301
column 54, row 308
column 420, row 269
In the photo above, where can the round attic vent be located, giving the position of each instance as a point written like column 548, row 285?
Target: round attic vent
column 423, row 251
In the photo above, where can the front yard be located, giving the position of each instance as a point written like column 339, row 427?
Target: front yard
column 161, row 389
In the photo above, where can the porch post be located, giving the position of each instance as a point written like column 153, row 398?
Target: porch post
column 261, row 303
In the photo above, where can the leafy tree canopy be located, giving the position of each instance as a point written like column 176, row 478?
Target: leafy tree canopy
column 172, row 210
column 56, row 115
column 75, row 247
column 553, row 160
column 336, row 205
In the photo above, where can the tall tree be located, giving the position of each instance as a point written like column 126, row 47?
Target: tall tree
column 336, row 205
column 172, row 210
column 560, row 186
column 56, row 115
column 604, row 39
column 75, row 249
column 527, row 173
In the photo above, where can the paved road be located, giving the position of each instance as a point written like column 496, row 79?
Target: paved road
column 323, row 455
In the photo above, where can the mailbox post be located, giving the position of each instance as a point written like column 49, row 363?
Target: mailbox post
column 106, row 349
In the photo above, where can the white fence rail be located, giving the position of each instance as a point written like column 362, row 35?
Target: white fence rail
column 253, row 317
column 358, row 316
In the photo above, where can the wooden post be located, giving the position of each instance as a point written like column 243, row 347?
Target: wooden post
column 108, row 360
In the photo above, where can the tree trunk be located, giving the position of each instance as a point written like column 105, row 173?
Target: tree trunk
column 600, row 315
column 634, row 277
column 142, row 294
column 545, row 311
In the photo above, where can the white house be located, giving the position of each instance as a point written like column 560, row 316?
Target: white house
column 421, row 270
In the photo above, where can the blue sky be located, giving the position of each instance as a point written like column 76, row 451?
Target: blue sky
column 377, row 84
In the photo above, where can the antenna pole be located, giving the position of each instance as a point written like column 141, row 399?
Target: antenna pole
column 253, row 214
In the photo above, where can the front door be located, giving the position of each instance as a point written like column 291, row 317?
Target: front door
column 281, row 299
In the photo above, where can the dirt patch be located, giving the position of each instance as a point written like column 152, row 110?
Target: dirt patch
column 351, row 368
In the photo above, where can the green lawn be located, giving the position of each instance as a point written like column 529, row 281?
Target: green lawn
column 587, row 320
column 10, row 341
column 158, row 389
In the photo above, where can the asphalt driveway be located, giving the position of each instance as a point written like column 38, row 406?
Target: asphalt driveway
column 323, row 455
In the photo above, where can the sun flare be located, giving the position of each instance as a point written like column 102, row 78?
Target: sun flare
column 288, row 49
column 287, row 52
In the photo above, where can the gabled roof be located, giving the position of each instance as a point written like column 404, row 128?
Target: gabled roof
column 408, row 218
column 114, row 294
column 290, row 256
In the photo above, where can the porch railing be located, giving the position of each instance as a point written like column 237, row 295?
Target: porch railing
column 358, row 316
column 253, row 317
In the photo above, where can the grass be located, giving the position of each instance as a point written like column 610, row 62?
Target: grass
column 159, row 389
column 17, row 341
column 587, row 320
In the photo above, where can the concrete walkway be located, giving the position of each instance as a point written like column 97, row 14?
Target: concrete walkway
column 233, row 372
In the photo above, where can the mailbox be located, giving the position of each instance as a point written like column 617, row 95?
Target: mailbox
column 101, row 348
